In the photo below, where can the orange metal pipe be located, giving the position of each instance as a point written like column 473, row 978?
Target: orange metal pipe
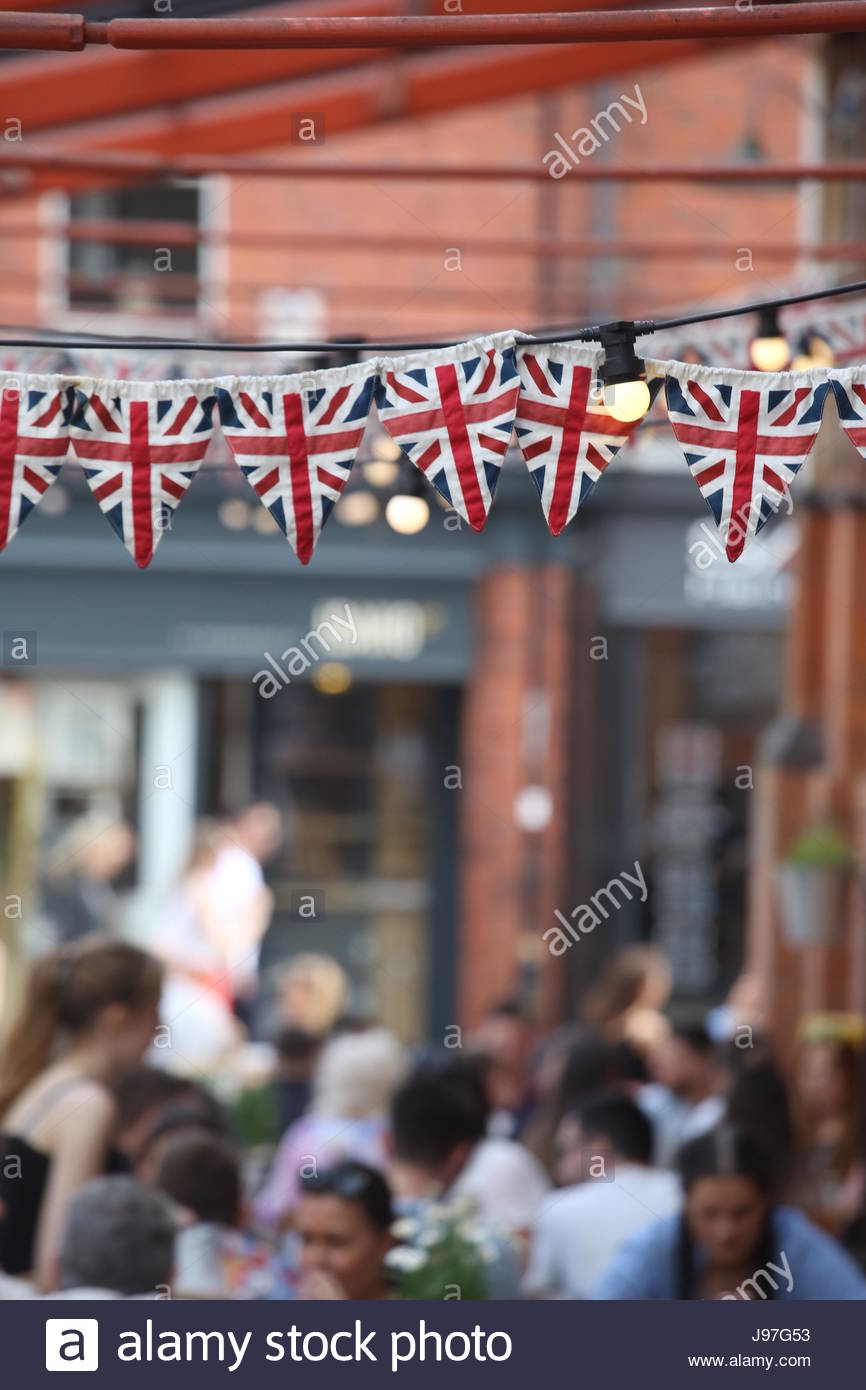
column 63, row 32
column 22, row 30
column 105, row 83
column 457, row 30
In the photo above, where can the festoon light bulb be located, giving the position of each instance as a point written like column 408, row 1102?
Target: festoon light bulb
column 769, row 351
column 407, row 510
column 627, row 400
column 623, row 374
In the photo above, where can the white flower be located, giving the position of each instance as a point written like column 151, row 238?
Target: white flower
column 406, row 1228
column 406, row 1259
column 464, row 1204
column 431, row 1236
column 471, row 1232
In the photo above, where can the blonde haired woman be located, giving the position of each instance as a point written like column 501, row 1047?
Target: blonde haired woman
column 356, row 1078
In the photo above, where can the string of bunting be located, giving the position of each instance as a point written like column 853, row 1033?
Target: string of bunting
column 454, row 411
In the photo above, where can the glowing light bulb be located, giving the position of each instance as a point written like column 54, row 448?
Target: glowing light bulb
column 332, row 678
column 820, row 351
column 813, row 350
column 407, row 514
column 769, row 354
column 769, row 349
column 234, row 514
column 381, row 472
column 627, row 400
column 386, row 448
column 357, row 508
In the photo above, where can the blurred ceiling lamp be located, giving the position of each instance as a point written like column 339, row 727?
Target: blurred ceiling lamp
column 533, row 809
column 626, row 394
column 408, row 511
column 383, row 467
column 264, row 522
column 813, row 350
column 332, row 678
column 357, row 508
column 56, row 501
column 381, row 472
column 769, row 351
column 234, row 514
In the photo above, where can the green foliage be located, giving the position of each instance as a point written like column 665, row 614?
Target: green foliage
column 254, row 1117
column 446, row 1258
column 820, row 848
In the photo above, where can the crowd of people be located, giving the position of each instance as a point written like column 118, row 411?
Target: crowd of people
column 630, row 1155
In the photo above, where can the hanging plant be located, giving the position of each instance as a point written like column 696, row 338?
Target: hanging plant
column 813, row 885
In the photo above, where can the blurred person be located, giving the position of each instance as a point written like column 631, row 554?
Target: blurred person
column 354, row 1080
column 313, row 993
column 117, row 1242
column 732, row 1240
column 608, row 1192
column 78, row 893
column 503, row 1038
column 830, row 1179
column 193, row 1114
column 253, row 836
column 626, row 1001
column 438, row 1120
column 547, row 1066
column 685, row 1063
column 297, row 1053
column 344, row 1228
column 141, row 1097
column 505, row 1182
column 744, row 1008
column 759, row 1104
column 215, row 1255
column 11, row 1288
column 88, row 1014
column 191, row 937
column 665, row 1111
column 586, row 1067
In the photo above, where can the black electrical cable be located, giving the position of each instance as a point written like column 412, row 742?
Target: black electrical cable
column 348, row 347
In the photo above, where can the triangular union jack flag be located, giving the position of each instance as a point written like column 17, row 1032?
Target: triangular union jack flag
column 296, row 446
column 565, row 433
column 140, row 454
column 743, row 440
column 34, row 439
column 850, row 397
column 454, row 416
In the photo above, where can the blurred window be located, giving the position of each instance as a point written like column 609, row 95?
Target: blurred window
column 145, row 273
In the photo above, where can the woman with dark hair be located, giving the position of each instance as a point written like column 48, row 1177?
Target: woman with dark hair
column 88, row 1015
column 830, row 1177
column 344, row 1225
column 731, row 1240
column 758, row 1103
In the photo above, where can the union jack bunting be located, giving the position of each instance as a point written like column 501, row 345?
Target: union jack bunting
column 850, row 397
column 743, row 440
column 566, row 435
column 454, row 415
column 140, row 454
column 34, row 438
column 296, row 446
